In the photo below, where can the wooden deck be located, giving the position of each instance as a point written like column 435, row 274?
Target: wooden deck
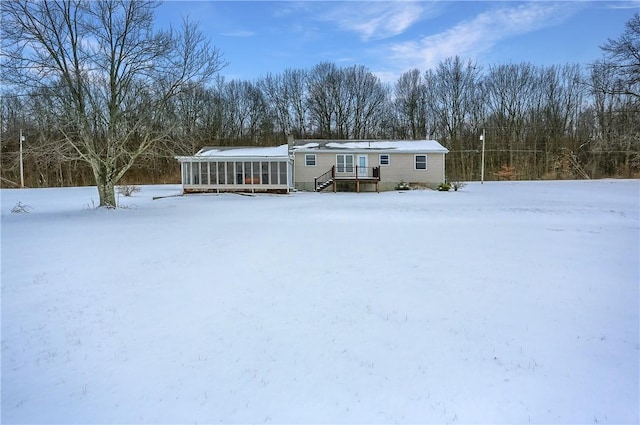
column 357, row 175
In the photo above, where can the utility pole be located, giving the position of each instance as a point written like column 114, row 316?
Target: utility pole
column 483, row 138
column 21, row 164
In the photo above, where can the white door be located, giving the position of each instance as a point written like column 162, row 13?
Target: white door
column 362, row 165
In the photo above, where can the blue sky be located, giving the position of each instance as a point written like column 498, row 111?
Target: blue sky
column 389, row 38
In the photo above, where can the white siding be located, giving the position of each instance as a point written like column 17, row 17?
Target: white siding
column 401, row 167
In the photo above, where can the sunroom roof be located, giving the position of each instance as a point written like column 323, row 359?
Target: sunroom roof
column 236, row 152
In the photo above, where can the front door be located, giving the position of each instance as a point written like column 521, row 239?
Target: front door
column 362, row 165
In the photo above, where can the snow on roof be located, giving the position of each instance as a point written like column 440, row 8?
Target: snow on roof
column 429, row 146
column 235, row 152
column 282, row 151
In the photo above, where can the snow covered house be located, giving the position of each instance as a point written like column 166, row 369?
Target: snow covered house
column 367, row 164
column 237, row 169
column 315, row 165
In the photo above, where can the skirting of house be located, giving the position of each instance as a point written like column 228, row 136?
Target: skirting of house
column 234, row 189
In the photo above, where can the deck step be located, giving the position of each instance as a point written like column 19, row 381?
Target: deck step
column 324, row 185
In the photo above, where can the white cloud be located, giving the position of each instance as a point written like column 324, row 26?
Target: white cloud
column 374, row 20
column 386, row 76
column 238, row 33
column 631, row 4
column 476, row 36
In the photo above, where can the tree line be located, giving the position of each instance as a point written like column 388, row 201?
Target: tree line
column 123, row 105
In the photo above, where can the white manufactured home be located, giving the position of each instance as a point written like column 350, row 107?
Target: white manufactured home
column 315, row 165
column 366, row 165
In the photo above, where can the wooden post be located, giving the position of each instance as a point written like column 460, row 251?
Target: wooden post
column 333, row 177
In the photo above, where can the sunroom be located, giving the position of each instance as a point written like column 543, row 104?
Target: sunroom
column 237, row 169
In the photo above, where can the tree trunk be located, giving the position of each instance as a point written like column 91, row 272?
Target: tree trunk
column 106, row 188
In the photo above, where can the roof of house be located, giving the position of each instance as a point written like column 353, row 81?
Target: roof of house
column 235, row 152
column 407, row 146
column 238, row 153
column 282, row 151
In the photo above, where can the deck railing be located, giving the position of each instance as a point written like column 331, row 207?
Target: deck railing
column 356, row 172
column 323, row 181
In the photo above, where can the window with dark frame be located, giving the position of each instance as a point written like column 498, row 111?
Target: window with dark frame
column 310, row 160
column 344, row 163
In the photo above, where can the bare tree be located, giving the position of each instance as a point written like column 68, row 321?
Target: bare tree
column 190, row 111
column 345, row 103
column 321, row 98
column 623, row 55
column 615, row 139
column 409, row 103
column 366, row 97
column 614, row 82
column 285, row 95
column 246, row 109
column 108, row 73
column 12, row 120
column 452, row 101
column 295, row 80
column 276, row 92
column 511, row 94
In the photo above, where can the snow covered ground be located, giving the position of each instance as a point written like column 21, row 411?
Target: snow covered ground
column 505, row 302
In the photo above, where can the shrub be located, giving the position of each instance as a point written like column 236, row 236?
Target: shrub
column 507, row 172
column 128, row 189
column 444, row 187
column 457, row 185
column 20, row 208
column 403, row 185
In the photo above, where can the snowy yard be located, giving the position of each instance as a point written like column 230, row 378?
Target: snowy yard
column 506, row 302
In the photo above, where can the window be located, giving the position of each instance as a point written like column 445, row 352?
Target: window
column 222, row 173
column 344, row 163
column 421, row 162
column 384, row 159
column 204, row 173
column 310, row 160
column 283, row 172
column 213, row 178
column 186, row 173
column 230, row 172
column 239, row 173
column 195, row 173
column 247, row 179
column 255, row 176
column 274, row 172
